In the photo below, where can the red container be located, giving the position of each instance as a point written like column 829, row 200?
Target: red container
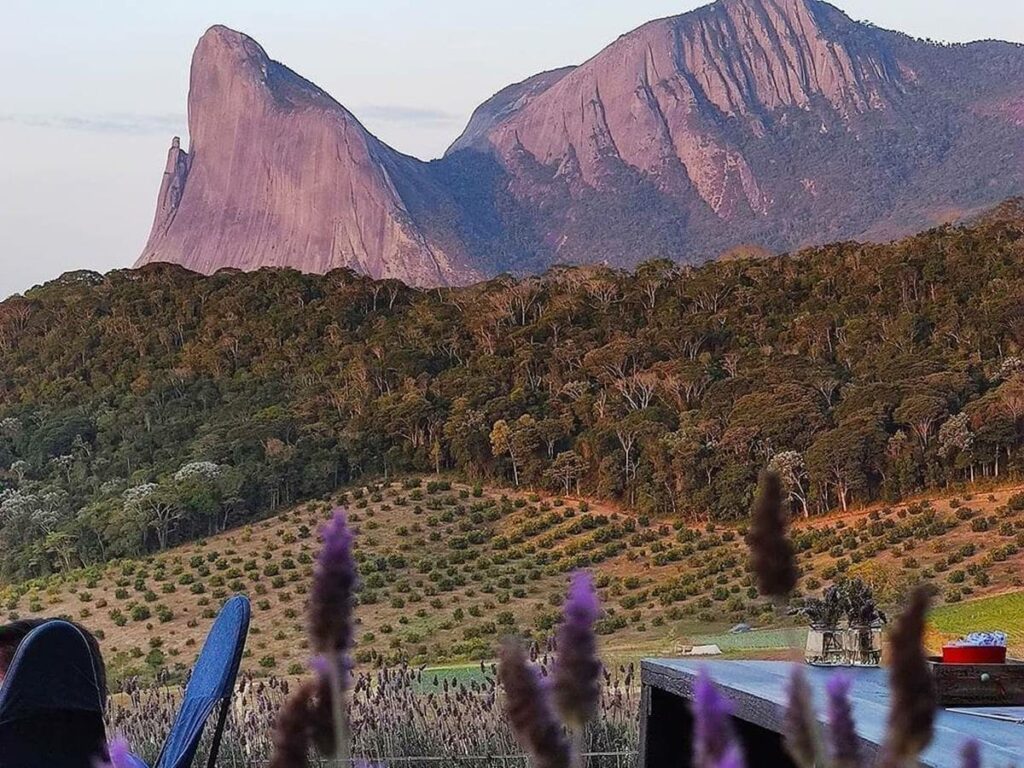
column 973, row 654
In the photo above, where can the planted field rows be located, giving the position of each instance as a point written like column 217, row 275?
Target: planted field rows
column 448, row 568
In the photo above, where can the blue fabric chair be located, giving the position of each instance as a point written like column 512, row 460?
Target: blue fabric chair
column 51, row 712
column 212, row 683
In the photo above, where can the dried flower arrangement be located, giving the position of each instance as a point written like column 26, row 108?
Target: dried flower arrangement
column 849, row 599
column 858, row 643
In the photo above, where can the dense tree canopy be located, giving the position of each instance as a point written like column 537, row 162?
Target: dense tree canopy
column 141, row 408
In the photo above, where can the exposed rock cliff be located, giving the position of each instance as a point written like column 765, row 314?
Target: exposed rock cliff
column 776, row 123
column 171, row 188
column 279, row 174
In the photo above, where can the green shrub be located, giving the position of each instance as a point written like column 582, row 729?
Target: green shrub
column 140, row 613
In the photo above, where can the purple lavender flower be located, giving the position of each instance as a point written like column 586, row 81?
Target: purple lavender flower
column 119, row 755
column 326, row 667
column 332, row 598
column 321, row 667
column 530, row 713
column 801, row 728
column 577, row 669
column 713, row 734
column 733, row 758
column 842, row 731
column 331, row 605
column 970, row 754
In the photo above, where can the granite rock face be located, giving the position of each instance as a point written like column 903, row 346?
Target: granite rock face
column 774, row 123
column 664, row 98
column 279, row 174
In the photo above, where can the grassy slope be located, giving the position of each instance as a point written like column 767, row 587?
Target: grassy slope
column 498, row 541
column 999, row 612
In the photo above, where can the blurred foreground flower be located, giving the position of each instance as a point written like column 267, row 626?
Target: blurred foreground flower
column 845, row 746
column 970, row 754
column 771, row 553
column 332, row 597
column 577, row 668
column 714, row 743
column 318, row 712
column 911, row 687
column 529, row 709
column 800, row 726
column 332, row 603
column 119, row 755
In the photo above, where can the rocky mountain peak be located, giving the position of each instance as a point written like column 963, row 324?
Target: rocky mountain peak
column 279, row 174
column 223, row 47
column 172, row 186
column 773, row 123
column 751, row 55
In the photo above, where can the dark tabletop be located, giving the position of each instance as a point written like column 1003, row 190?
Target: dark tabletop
column 758, row 690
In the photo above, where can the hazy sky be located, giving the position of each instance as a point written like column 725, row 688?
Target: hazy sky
column 93, row 90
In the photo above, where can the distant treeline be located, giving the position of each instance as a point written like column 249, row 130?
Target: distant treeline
column 142, row 408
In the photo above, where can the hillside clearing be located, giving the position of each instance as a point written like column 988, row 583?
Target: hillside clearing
column 448, row 568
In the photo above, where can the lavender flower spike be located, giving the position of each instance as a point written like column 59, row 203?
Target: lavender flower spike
column 577, row 669
column 713, row 737
column 771, row 554
column 331, row 606
column 528, row 704
column 913, row 701
column 801, row 728
column 332, row 598
column 970, row 754
column 842, row 730
column 291, row 732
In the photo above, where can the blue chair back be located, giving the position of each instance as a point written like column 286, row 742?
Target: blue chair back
column 51, row 711
column 212, row 682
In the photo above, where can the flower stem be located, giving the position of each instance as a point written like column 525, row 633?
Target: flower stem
column 342, row 743
column 576, row 736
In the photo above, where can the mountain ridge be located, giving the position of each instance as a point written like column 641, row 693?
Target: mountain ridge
column 778, row 123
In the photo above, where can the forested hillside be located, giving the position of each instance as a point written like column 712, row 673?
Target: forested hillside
column 143, row 408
